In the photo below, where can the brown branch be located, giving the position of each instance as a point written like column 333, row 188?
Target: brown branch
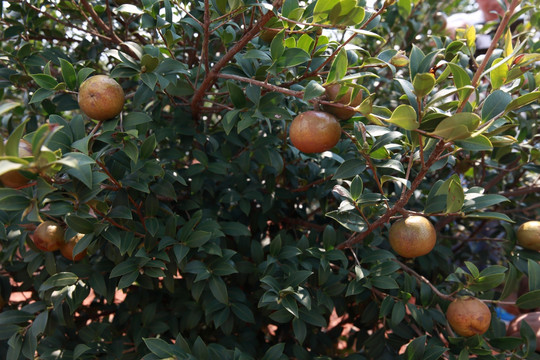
column 114, row 38
column 421, row 278
column 206, row 35
column 521, row 191
column 298, row 94
column 213, row 74
column 401, row 202
column 317, row 182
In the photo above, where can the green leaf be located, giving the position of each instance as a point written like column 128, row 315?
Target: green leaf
column 490, row 215
column 499, row 75
column 243, row 312
column 423, row 84
column 276, row 46
column 339, row 67
column 40, row 95
column 135, row 118
column 473, row 269
column 158, row 347
column 275, row 351
column 237, row 95
column 356, row 188
column 522, row 101
column 219, row 289
column 476, row 143
column 461, row 80
column 79, row 350
column 350, row 168
column 512, row 278
column 416, row 348
column 313, row 90
column 45, row 81
column 405, row 117
column 384, row 282
column 60, row 279
column 292, row 57
column 529, row 300
column 8, row 317
column 229, row 120
column 475, row 201
column 68, row 73
column 83, row 74
column 349, row 219
column 79, row 224
column 458, row 126
column 123, row 268
column 299, row 329
column 385, row 140
column 76, row 160
column 8, row 105
column 533, row 270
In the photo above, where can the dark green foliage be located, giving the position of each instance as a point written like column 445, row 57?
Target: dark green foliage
column 209, row 236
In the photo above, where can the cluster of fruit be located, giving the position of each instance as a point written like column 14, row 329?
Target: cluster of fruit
column 317, row 131
column 49, row 236
column 100, row 98
column 415, row 236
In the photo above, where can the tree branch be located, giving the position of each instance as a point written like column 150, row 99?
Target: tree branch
column 401, row 202
column 213, row 74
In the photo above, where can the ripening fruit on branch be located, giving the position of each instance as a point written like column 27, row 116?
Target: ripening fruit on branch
column 528, row 235
column 332, row 92
column 48, row 236
column 468, row 316
column 314, row 131
column 67, row 248
column 412, row 236
column 14, row 178
column 101, row 97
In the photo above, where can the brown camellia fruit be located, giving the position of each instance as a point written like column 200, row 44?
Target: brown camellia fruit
column 101, row 97
column 412, row 236
column 528, row 235
column 468, row 316
column 314, row 131
column 48, row 236
column 67, row 248
column 14, row 178
column 332, row 92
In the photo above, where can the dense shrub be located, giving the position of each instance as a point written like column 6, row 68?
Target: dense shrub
column 206, row 234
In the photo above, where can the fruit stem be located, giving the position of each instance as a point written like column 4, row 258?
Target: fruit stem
column 421, row 278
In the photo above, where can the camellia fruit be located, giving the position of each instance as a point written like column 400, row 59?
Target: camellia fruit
column 468, row 316
column 314, row 131
column 67, row 248
column 14, row 178
column 528, row 235
column 48, row 236
column 101, row 97
column 412, row 236
column 332, row 92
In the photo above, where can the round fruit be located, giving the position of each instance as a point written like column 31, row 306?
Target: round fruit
column 314, row 131
column 468, row 316
column 14, row 179
column 67, row 248
column 412, row 236
column 528, row 235
column 48, row 236
column 332, row 92
column 101, row 97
